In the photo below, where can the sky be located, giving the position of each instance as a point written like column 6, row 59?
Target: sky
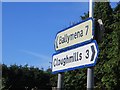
column 29, row 29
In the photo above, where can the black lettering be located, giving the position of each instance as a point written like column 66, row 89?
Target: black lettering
column 80, row 56
column 86, row 29
column 75, row 35
column 60, row 40
column 87, row 52
column 77, row 56
column 54, row 62
column 81, row 33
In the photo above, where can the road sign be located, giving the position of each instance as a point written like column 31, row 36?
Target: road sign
column 84, row 56
column 77, row 34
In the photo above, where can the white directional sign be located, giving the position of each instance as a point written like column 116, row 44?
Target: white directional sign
column 84, row 56
column 77, row 34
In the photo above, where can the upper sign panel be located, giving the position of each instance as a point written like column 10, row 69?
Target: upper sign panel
column 77, row 34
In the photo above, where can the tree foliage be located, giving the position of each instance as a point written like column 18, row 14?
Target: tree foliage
column 106, row 72
column 24, row 77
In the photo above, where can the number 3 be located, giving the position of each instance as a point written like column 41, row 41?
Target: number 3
column 87, row 56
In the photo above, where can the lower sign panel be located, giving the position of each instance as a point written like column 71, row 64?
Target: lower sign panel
column 83, row 56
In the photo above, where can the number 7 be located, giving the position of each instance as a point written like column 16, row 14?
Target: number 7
column 86, row 29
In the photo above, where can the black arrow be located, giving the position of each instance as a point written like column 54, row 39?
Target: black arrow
column 93, row 52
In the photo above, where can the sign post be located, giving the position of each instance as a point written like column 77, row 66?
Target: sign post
column 90, row 70
column 76, row 49
column 77, row 34
column 60, row 81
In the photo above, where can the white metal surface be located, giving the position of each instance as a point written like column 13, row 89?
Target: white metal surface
column 74, row 35
column 78, row 57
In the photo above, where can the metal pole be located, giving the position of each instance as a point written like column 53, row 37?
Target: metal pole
column 90, row 8
column 90, row 70
column 60, row 81
column 90, row 78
